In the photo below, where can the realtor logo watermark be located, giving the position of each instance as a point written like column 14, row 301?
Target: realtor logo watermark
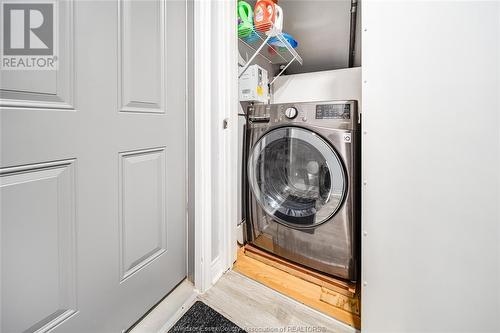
column 29, row 35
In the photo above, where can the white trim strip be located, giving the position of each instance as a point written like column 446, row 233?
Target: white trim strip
column 202, row 137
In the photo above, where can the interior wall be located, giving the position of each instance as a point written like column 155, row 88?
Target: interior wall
column 431, row 161
column 340, row 84
column 322, row 30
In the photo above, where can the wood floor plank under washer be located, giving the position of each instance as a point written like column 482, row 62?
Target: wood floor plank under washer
column 300, row 287
column 257, row 308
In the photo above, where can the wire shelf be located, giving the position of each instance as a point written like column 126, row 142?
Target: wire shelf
column 264, row 44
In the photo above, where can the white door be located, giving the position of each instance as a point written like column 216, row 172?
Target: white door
column 93, row 213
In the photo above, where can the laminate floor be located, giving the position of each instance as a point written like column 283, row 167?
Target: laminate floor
column 257, row 308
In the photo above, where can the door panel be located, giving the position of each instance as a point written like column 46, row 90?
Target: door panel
column 141, row 37
column 142, row 213
column 38, row 245
column 46, row 89
column 93, row 198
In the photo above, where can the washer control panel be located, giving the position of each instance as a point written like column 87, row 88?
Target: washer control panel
column 342, row 114
column 333, row 111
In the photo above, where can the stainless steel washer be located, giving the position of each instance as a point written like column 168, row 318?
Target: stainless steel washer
column 303, row 176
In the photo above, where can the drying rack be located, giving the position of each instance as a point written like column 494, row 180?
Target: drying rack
column 258, row 44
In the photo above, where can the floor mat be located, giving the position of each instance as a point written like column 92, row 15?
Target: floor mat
column 202, row 318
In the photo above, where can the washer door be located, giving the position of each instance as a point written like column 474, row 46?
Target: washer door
column 297, row 177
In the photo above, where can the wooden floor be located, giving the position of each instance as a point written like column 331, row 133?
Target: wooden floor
column 331, row 296
column 256, row 307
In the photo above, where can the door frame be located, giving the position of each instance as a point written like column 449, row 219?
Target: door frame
column 215, row 53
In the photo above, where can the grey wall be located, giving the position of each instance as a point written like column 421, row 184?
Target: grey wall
column 322, row 29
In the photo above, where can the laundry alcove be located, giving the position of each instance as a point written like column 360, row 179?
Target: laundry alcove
column 290, row 236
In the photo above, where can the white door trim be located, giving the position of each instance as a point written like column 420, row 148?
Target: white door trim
column 226, row 96
column 215, row 55
column 203, row 178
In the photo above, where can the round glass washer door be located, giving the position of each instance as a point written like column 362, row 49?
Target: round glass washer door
column 296, row 177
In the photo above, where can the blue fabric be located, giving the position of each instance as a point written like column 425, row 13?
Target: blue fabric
column 276, row 42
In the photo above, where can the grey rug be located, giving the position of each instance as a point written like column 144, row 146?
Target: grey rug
column 202, row 318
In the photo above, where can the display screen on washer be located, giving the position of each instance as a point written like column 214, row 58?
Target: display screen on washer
column 333, row 111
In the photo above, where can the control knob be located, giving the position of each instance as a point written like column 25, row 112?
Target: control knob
column 291, row 113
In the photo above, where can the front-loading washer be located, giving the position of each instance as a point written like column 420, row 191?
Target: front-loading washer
column 303, row 176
